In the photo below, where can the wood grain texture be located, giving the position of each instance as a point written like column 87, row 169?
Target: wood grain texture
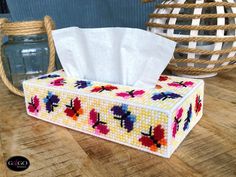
column 209, row 149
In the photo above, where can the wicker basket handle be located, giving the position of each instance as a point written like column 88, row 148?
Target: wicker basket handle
column 26, row 28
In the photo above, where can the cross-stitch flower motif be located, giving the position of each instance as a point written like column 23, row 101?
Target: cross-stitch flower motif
column 34, row 105
column 158, row 86
column 99, row 126
column 124, row 115
column 74, row 109
column 188, row 119
column 104, row 88
column 51, row 102
column 49, row 76
column 58, row 82
column 181, row 84
column 131, row 94
column 82, row 84
column 177, row 120
column 164, row 95
column 163, row 78
column 154, row 139
column 198, row 104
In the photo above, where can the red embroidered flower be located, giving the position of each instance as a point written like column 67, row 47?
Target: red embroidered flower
column 163, row 78
column 146, row 141
column 198, row 104
column 74, row 109
column 58, row 82
column 154, row 139
column 97, row 124
column 104, row 88
column 34, row 105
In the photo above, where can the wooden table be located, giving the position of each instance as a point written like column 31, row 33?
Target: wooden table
column 209, row 150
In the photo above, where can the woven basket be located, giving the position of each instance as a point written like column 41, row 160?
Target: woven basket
column 205, row 32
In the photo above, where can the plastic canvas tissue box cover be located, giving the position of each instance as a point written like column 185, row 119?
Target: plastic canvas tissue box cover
column 153, row 120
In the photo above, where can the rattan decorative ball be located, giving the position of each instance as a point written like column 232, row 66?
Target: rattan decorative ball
column 205, row 32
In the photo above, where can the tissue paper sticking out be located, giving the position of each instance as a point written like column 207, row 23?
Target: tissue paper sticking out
column 124, row 56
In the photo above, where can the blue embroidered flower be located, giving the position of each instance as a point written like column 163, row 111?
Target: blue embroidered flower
column 164, row 95
column 82, row 84
column 51, row 101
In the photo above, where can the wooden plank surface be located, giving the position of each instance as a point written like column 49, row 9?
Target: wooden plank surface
column 209, row 150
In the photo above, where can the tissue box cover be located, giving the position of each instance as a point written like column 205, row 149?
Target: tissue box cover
column 153, row 120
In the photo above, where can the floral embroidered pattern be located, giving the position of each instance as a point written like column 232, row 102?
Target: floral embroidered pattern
column 49, row 76
column 34, row 105
column 188, row 119
column 181, row 84
column 99, row 126
column 198, row 104
column 51, row 101
column 155, row 120
column 158, row 86
column 82, row 84
column 124, row 115
column 74, row 109
column 58, row 82
column 163, row 78
column 154, row 139
column 177, row 120
column 131, row 94
column 164, row 95
column 104, row 88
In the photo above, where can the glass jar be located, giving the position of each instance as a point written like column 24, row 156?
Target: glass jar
column 25, row 57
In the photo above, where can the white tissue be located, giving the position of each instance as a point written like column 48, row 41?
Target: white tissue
column 124, row 56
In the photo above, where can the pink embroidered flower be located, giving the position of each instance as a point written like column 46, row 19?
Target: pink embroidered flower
column 177, row 120
column 179, row 113
column 34, row 105
column 99, row 126
column 181, row 84
column 58, row 82
column 131, row 94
